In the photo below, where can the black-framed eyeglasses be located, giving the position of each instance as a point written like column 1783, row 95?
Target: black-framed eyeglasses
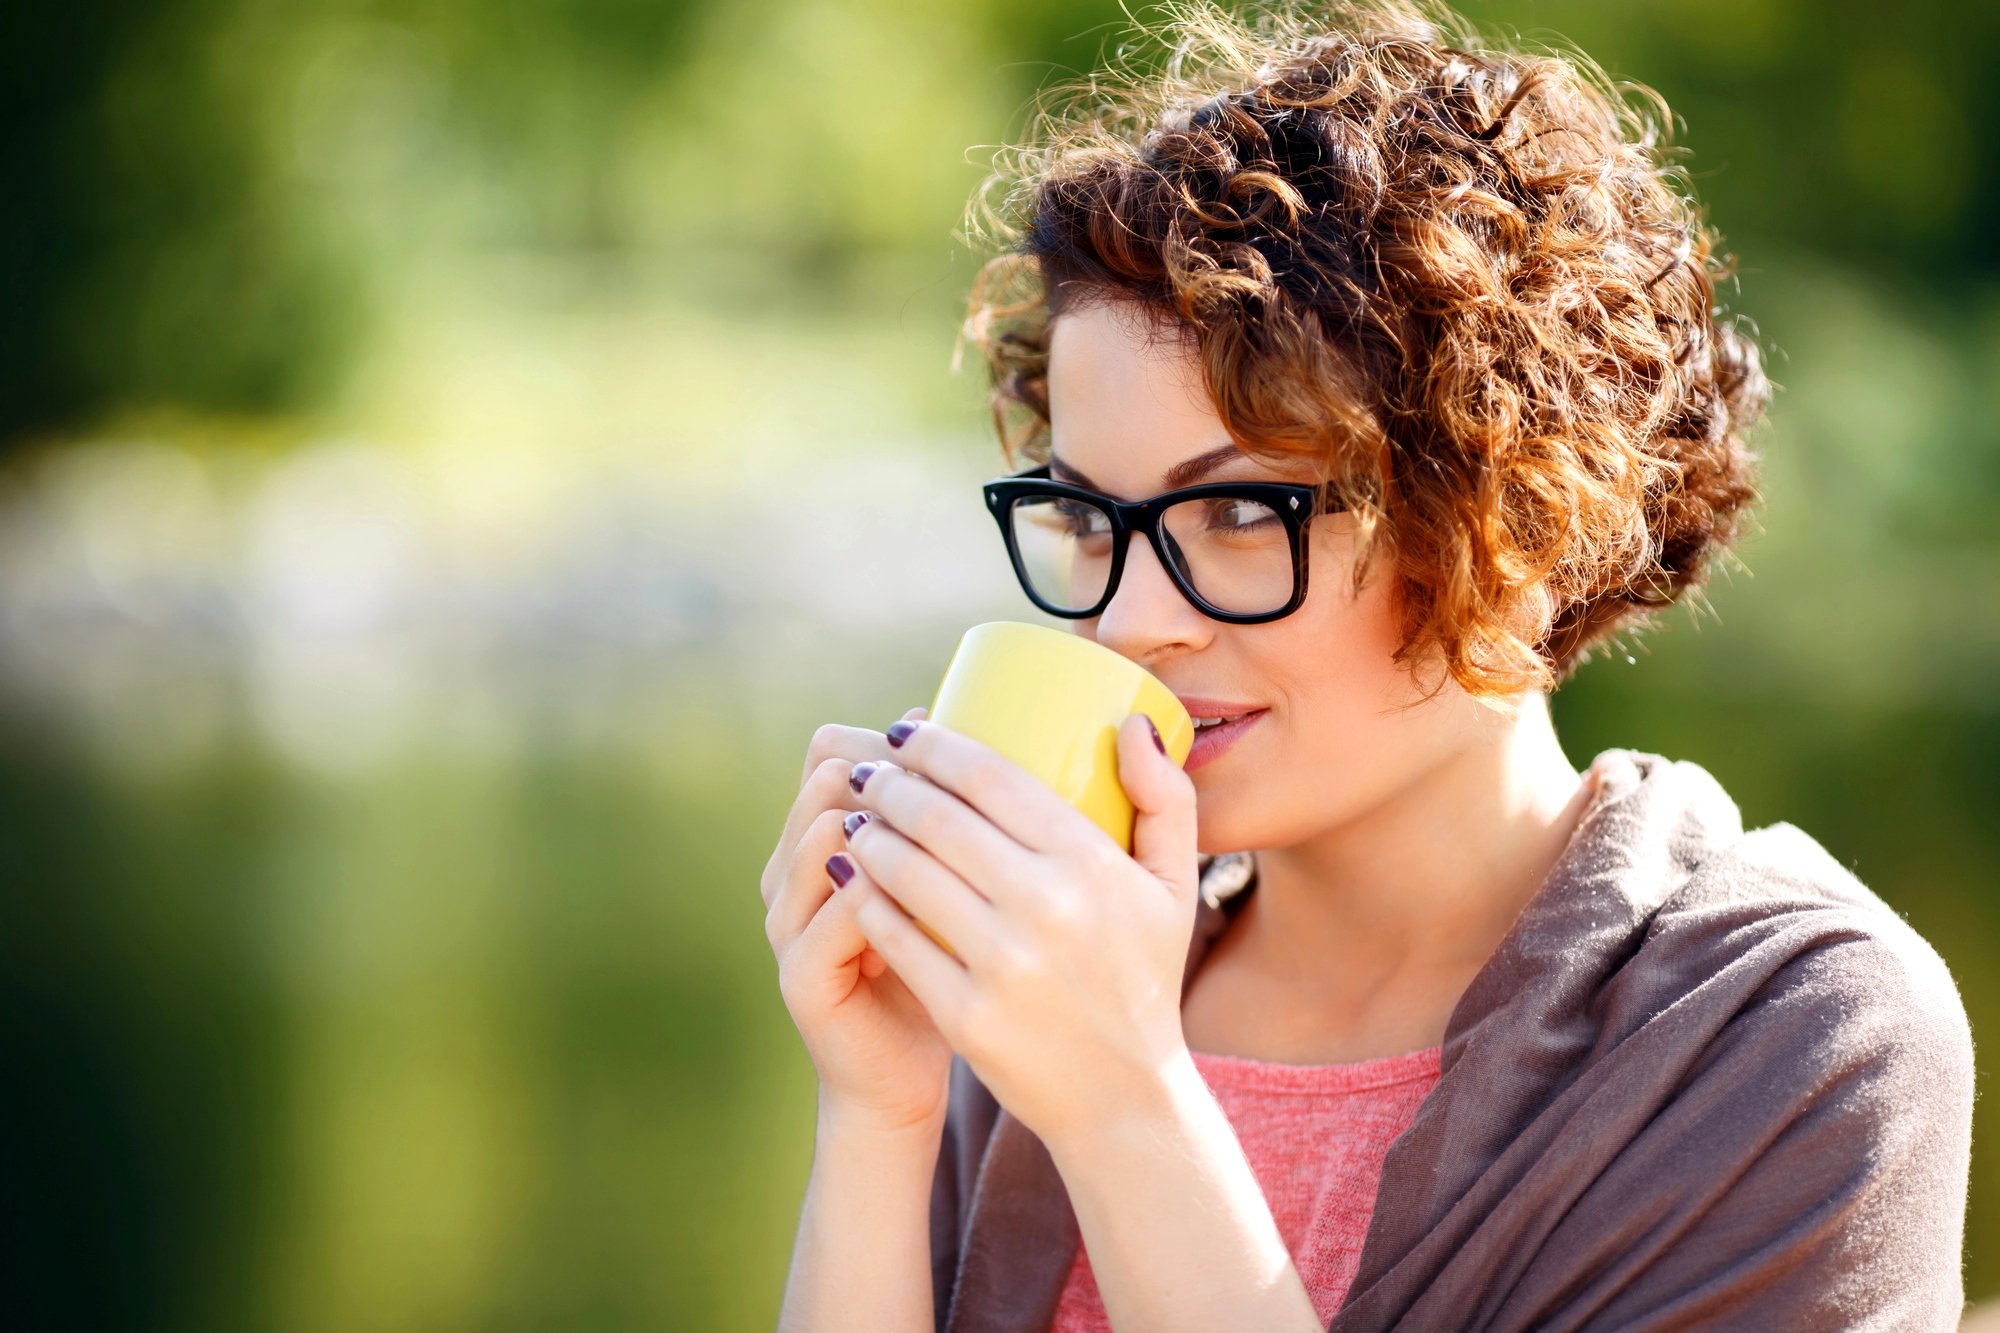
column 1235, row 549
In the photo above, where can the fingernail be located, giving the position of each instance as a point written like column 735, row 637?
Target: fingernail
column 855, row 821
column 859, row 777
column 900, row 732
column 1158, row 744
column 839, row 869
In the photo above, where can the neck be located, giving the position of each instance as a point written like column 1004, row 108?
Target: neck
column 1374, row 928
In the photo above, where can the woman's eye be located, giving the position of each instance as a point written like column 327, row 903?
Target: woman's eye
column 1084, row 520
column 1239, row 515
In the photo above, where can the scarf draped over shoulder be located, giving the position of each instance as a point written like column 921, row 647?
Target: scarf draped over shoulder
column 1707, row 1081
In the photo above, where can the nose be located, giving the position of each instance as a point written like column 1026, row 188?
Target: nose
column 1148, row 620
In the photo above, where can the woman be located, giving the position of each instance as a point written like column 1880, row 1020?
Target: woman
column 1473, row 1041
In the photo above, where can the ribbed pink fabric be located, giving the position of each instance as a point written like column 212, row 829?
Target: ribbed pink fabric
column 1315, row 1136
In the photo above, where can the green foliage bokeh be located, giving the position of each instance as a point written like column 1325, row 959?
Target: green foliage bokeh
column 488, row 1037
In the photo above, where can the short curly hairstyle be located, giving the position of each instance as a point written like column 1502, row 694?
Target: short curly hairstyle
column 1466, row 280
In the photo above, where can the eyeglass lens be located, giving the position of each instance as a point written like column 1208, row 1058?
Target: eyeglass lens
column 1235, row 553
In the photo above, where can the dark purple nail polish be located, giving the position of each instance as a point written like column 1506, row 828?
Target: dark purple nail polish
column 854, row 821
column 1158, row 744
column 839, row 869
column 900, row 732
column 859, row 777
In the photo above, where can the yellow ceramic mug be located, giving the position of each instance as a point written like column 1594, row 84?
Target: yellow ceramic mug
column 1052, row 703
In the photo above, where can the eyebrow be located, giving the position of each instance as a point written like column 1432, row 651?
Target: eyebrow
column 1184, row 473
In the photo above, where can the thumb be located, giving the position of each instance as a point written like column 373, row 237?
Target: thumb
column 1163, row 837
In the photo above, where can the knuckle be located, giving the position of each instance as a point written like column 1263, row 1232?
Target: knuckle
column 1060, row 913
column 1102, row 861
column 828, row 784
column 1012, row 964
column 826, row 742
column 830, row 772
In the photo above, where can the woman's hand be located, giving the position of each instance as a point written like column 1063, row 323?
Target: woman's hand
column 1064, row 995
column 880, row 1059
column 862, row 1261
column 1062, row 991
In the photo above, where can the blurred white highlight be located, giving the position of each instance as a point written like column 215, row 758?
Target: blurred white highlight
column 345, row 601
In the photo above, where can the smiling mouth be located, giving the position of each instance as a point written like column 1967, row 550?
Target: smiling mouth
column 1216, row 732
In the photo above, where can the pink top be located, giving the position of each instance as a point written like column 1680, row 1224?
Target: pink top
column 1315, row 1136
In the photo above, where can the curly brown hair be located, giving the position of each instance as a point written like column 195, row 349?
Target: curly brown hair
column 1464, row 279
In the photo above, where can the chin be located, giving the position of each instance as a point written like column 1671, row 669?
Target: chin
column 1270, row 804
column 1226, row 820
column 1237, row 793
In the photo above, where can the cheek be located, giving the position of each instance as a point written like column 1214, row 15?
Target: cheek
column 1345, row 641
column 1343, row 665
column 1345, row 730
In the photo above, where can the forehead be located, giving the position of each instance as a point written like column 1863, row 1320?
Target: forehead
column 1126, row 398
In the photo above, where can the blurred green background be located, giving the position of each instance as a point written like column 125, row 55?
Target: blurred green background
column 454, row 454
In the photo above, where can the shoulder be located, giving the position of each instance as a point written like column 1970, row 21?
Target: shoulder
column 1707, row 898
column 1832, row 1101
column 1666, row 909
column 1774, row 899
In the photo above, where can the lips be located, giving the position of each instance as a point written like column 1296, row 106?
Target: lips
column 1217, row 726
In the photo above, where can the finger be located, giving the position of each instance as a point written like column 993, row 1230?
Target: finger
column 829, row 952
column 925, row 888
column 962, row 838
column 1163, row 834
column 826, row 789
column 805, row 885
column 1021, row 805
column 833, row 741
column 937, row 979
column 916, row 715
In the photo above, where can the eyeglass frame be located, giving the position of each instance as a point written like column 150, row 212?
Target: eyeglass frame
column 1294, row 505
